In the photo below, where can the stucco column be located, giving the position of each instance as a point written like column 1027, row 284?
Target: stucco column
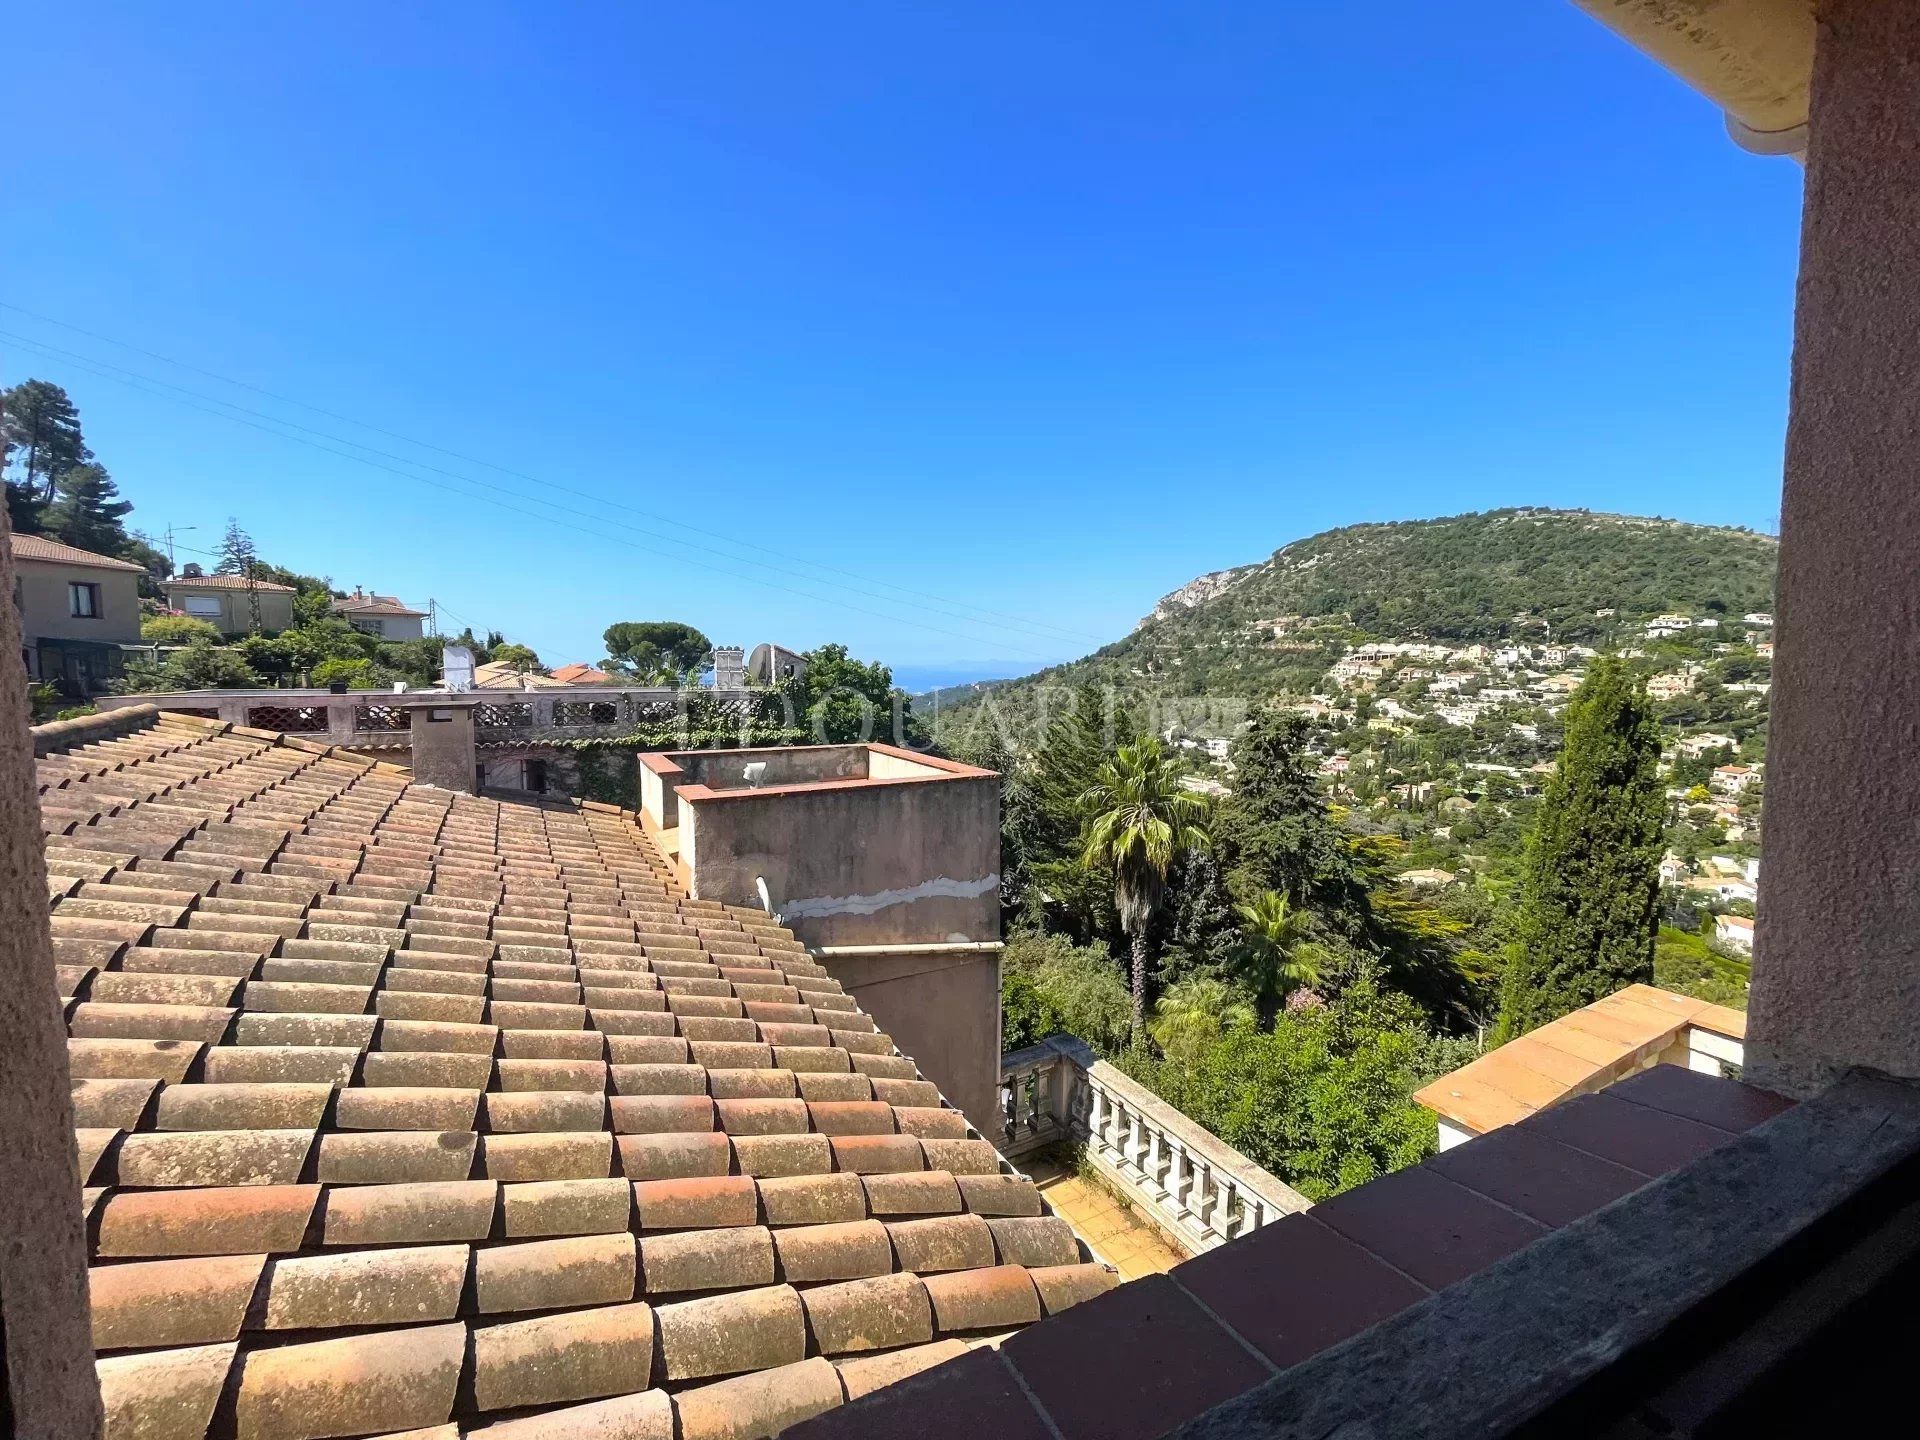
column 441, row 727
column 1836, row 974
column 47, row 1385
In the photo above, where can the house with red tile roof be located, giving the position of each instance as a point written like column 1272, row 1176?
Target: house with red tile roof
column 383, row 615
column 78, row 612
column 232, row 604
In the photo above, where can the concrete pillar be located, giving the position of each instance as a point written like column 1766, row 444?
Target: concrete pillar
column 1837, row 957
column 442, row 729
column 47, row 1385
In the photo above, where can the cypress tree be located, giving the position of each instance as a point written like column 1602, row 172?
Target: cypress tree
column 1276, row 830
column 1591, row 884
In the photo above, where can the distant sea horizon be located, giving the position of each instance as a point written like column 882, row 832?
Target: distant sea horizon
column 918, row 679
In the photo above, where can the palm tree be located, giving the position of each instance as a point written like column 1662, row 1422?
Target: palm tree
column 1274, row 958
column 1196, row 1012
column 1139, row 820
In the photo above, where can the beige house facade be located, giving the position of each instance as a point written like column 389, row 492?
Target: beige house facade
column 79, row 613
column 382, row 615
column 227, row 602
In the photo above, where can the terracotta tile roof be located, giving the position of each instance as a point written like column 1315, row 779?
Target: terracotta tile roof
column 39, row 547
column 1575, row 1054
column 579, row 673
column 502, row 675
column 222, row 582
column 1141, row 1362
column 361, row 604
column 406, row 1110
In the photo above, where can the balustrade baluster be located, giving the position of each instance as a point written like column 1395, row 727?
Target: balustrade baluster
column 1203, row 1197
column 1179, row 1176
column 1156, row 1160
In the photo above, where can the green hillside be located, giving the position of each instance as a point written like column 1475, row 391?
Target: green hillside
column 1502, row 575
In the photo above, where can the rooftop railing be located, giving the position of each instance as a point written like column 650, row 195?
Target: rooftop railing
column 373, row 718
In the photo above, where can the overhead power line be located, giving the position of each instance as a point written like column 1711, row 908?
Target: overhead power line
column 107, row 371
column 1041, row 628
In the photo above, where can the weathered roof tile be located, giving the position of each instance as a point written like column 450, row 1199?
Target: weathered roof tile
column 196, row 1301
column 362, row 1384
column 727, row 1334
column 366, row 1287
column 409, row 1213
column 551, row 1274
column 581, row 1355
column 875, row 1314
column 163, row 1394
column 763, row 1403
column 998, row 1298
column 698, row 1203
column 716, row 1259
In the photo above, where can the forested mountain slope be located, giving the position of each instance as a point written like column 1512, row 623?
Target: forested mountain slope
column 1564, row 576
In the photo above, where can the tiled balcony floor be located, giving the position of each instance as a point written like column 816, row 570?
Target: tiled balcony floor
column 1123, row 1237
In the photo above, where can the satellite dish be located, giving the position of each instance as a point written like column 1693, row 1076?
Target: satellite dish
column 456, row 665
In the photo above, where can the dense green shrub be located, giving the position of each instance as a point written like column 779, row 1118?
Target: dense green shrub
column 357, row 674
column 1051, row 986
column 1322, row 1099
column 176, row 630
column 201, row 666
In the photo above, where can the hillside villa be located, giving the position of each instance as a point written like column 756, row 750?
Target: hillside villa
column 78, row 613
column 232, row 604
column 381, row 615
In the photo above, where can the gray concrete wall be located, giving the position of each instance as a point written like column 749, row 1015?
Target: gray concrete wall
column 855, row 863
column 786, row 765
column 442, row 751
column 46, row 614
column 944, row 1011
column 1836, row 971
column 47, row 1384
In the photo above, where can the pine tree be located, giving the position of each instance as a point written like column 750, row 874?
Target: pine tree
column 1591, row 884
column 87, row 510
column 237, row 555
column 42, row 429
column 1080, row 737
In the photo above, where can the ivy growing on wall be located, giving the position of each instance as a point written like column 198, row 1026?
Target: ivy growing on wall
column 609, row 776
column 674, row 738
column 606, row 768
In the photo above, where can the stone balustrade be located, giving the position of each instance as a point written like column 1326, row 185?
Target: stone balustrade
column 1192, row 1184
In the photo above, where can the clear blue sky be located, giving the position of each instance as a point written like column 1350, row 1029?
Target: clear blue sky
column 1037, row 309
